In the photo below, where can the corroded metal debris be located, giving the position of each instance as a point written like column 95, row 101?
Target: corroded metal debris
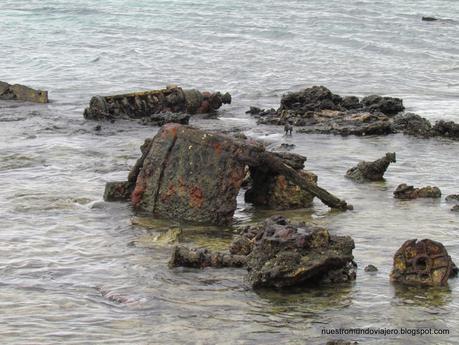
column 424, row 263
column 195, row 175
column 406, row 192
column 22, row 93
column 172, row 99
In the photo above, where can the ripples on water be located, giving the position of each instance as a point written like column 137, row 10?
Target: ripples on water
column 67, row 259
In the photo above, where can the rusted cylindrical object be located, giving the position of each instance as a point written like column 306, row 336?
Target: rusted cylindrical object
column 424, row 263
column 143, row 104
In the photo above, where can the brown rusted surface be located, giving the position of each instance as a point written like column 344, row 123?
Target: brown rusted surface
column 424, row 263
column 147, row 104
column 194, row 175
column 406, row 192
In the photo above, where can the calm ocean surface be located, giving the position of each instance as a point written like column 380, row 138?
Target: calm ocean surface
column 63, row 250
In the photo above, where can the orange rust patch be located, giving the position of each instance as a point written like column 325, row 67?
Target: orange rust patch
column 218, row 148
column 196, row 197
column 282, row 182
column 237, row 176
column 169, row 130
column 170, row 191
column 137, row 194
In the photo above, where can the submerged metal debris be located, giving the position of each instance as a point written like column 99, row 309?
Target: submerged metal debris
column 145, row 104
column 195, row 175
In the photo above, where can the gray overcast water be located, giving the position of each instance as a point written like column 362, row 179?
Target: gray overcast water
column 62, row 249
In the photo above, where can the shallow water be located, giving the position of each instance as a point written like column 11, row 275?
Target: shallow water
column 66, row 257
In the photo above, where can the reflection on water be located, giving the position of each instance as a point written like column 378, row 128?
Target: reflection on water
column 422, row 297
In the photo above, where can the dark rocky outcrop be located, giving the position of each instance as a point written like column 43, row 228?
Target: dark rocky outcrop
column 412, row 124
column 407, row 192
column 280, row 254
column 22, row 93
column 452, row 198
column 286, row 254
column 423, row 263
column 195, row 175
column 371, row 268
column 156, row 106
column 318, row 110
column 455, row 208
column 446, row 129
column 371, row 171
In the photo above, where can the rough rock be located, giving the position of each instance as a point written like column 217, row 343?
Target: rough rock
column 280, row 254
column 22, row 93
column 424, row 263
column 201, row 258
column 446, row 129
column 371, row 171
column 406, row 192
column 149, row 104
column 341, row 342
column 371, row 268
column 163, row 118
column 455, row 208
column 195, row 175
column 318, row 110
column 286, row 254
column 412, row 124
column 274, row 191
column 117, row 191
column 452, row 198
column 385, row 105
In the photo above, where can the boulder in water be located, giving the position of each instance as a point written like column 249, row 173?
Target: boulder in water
column 423, row 263
column 371, row 171
column 22, row 93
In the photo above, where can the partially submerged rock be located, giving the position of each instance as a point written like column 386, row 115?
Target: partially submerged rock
column 286, row 254
column 156, row 106
column 452, row 198
column 280, row 254
column 455, row 208
column 371, row 268
column 423, row 263
column 371, row 171
column 22, row 93
column 407, row 192
column 318, row 110
column 195, row 175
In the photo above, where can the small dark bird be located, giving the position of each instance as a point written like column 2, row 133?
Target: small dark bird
column 288, row 129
